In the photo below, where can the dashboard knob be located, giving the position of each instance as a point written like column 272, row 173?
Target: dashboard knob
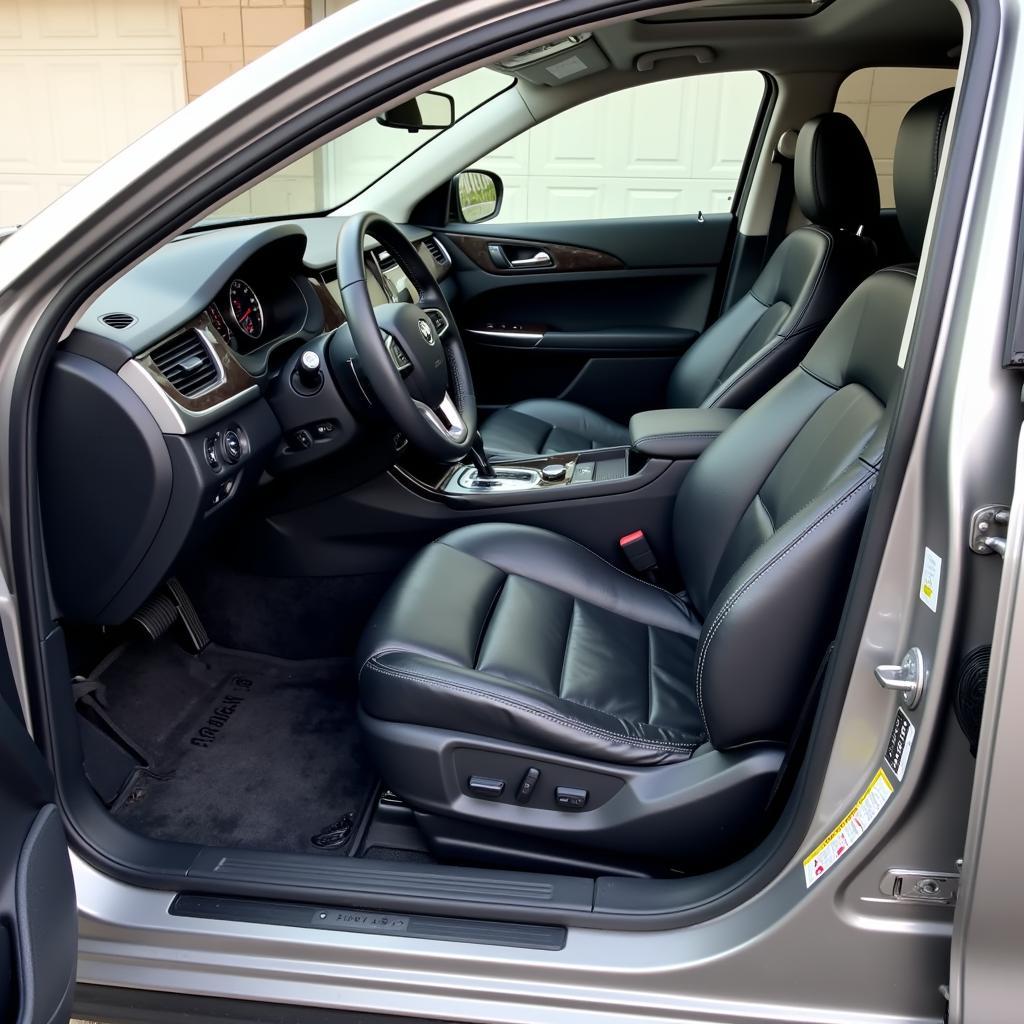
column 553, row 472
column 309, row 367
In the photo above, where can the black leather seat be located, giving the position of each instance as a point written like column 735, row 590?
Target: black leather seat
column 759, row 339
column 504, row 648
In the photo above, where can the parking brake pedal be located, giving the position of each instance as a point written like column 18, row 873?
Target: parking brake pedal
column 168, row 606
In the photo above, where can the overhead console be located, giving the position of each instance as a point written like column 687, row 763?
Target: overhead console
column 557, row 62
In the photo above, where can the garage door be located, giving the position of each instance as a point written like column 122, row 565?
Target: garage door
column 79, row 80
column 656, row 150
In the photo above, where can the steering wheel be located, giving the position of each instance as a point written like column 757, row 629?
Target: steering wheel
column 420, row 377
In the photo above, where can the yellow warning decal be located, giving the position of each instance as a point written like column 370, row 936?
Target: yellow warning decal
column 850, row 829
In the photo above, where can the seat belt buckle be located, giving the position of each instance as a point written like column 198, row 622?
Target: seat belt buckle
column 639, row 554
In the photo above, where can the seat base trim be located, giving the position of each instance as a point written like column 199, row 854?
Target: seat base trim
column 715, row 795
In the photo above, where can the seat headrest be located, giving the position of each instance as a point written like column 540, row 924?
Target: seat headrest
column 833, row 174
column 916, row 163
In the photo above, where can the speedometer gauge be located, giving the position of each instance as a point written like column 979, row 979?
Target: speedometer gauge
column 245, row 308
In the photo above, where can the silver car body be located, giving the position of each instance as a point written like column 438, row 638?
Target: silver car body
column 839, row 950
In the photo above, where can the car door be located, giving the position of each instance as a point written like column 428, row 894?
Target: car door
column 608, row 254
column 38, row 914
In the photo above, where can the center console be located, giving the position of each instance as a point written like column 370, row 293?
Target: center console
column 664, row 441
column 546, row 473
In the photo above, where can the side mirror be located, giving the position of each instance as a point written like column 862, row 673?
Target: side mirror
column 476, row 196
column 430, row 111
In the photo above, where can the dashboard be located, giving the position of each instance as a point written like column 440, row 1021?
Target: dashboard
column 186, row 371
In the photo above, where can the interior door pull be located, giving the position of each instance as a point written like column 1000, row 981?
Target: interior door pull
column 538, row 259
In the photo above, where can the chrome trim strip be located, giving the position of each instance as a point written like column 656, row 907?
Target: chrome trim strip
column 517, row 335
column 171, row 417
column 456, row 430
column 506, row 478
column 447, row 255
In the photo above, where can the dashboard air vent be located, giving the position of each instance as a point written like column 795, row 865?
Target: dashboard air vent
column 433, row 246
column 187, row 363
column 119, row 321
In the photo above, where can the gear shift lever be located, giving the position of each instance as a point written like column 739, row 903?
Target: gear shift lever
column 484, row 469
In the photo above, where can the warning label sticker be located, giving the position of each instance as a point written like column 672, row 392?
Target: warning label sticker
column 901, row 739
column 850, row 829
column 931, row 576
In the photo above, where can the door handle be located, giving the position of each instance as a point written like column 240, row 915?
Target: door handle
column 539, row 259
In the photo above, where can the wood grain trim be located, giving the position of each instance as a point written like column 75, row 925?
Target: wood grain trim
column 235, row 378
column 333, row 313
column 567, row 258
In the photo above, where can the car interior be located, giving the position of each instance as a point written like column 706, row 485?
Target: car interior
column 489, row 561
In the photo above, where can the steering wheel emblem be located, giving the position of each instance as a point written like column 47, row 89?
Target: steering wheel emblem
column 425, row 331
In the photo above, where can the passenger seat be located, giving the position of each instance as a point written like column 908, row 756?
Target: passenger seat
column 763, row 336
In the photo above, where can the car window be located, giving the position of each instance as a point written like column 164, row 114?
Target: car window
column 655, row 150
column 83, row 79
column 877, row 99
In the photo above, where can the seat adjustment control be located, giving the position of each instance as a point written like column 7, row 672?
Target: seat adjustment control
column 480, row 785
column 571, row 798
column 527, row 785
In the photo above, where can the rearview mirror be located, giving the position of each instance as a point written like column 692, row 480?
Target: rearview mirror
column 476, row 196
column 430, row 111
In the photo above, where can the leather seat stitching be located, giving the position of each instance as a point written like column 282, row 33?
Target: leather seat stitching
column 747, row 369
column 592, row 730
column 767, row 512
column 676, row 434
column 485, row 625
column 593, row 554
column 741, row 590
column 812, row 291
column 565, row 649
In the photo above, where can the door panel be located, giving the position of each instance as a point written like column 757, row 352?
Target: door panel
column 38, row 915
column 603, row 325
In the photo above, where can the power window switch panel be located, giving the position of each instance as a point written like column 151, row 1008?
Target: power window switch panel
column 570, row 798
column 480, row 785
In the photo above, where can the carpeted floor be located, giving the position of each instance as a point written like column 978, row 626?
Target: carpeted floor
column 245, row 750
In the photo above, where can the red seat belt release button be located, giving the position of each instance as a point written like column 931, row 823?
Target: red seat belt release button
column 638, row 552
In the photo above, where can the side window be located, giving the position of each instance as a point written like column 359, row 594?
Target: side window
column 877, row 99
column 655, row 150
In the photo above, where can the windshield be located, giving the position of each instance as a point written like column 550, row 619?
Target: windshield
column 339, row 170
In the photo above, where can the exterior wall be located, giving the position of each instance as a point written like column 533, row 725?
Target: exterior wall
column 877, row 99
column 79, row 80
column 220, row 36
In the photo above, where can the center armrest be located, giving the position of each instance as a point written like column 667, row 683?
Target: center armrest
column 678, row 433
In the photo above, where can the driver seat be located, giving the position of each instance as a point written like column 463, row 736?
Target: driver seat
column 515, row 679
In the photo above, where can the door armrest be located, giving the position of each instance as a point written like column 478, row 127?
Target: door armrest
column 678, row 433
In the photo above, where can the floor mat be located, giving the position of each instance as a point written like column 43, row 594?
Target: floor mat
column 245, row 750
